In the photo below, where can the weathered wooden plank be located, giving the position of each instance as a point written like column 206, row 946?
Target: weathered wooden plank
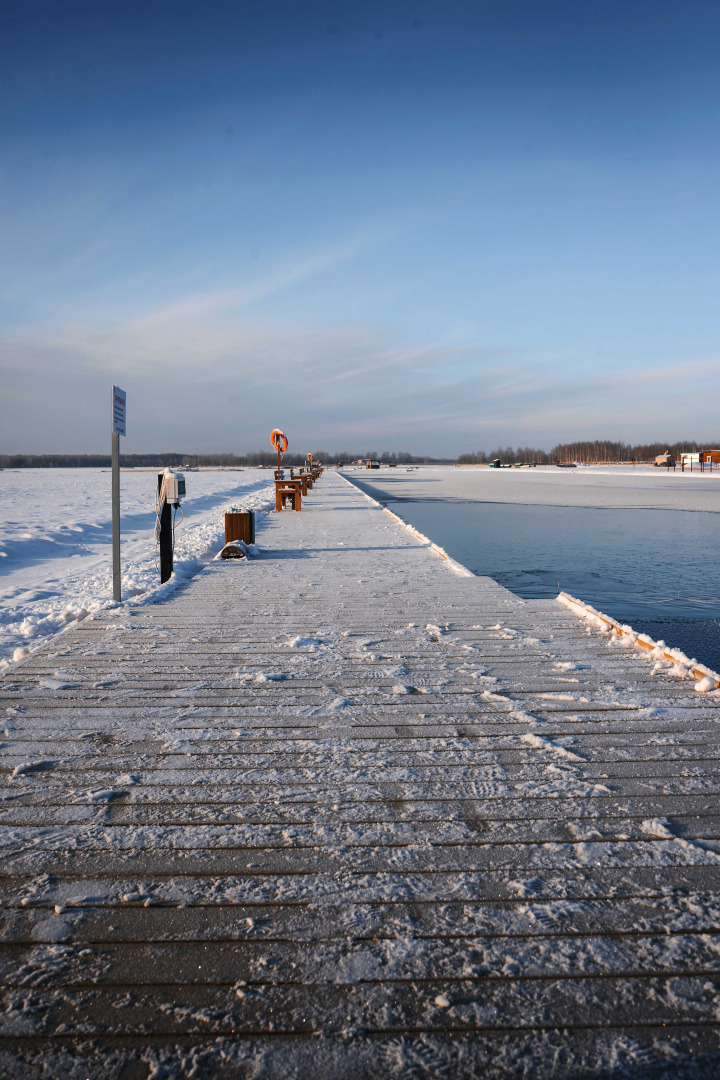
column 620, row 917
column 482, row 1004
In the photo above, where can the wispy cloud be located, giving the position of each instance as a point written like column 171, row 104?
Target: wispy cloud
column 206, row 373
column 290, row 272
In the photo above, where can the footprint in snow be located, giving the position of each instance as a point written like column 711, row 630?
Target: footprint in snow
column 31, row 767
column 107, row 796
column 300, row 642
column 336, row 705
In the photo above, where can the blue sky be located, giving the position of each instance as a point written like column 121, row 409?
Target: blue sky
column 426, row 226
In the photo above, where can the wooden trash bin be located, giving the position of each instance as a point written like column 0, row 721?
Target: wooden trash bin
column 240, row 525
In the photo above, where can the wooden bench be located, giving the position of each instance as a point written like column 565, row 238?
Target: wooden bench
column 288, row 491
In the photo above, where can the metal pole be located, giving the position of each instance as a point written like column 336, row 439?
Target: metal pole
column 117, row 586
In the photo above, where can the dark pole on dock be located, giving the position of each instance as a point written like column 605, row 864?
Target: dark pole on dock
column 119, row 418
column 166, row 539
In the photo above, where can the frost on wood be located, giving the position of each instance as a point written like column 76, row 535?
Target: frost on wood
column 336, row 810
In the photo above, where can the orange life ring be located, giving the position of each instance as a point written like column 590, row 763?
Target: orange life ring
column 279, row 441
column 309, row 457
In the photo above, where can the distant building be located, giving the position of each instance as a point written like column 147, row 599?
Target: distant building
column 665, row 461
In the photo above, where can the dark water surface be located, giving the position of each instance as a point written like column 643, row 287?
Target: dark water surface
column 627, row 563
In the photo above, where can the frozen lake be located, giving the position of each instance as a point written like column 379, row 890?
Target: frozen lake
column 626, row 541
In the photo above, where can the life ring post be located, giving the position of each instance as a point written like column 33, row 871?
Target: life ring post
column 279, row 441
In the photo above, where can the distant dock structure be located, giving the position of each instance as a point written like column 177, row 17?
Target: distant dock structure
column 700, row 460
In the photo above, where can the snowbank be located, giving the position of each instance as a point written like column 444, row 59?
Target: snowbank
column 55, row 543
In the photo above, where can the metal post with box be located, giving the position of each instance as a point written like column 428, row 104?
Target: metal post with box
column 170, row 493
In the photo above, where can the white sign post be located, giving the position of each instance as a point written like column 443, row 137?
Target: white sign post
column 119, row 413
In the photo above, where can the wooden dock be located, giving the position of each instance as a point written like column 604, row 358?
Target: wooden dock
column 340, row 811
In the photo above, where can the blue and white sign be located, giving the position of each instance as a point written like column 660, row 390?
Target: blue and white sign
column 119, row 410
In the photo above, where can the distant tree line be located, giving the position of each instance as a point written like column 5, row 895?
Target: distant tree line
column 84, row 461
column 587, row 452
column 506, row 454
column 603, row 451
column 262, row 457
column 598, row 451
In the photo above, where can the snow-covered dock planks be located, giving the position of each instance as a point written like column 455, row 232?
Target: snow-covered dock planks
column 339, row 811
